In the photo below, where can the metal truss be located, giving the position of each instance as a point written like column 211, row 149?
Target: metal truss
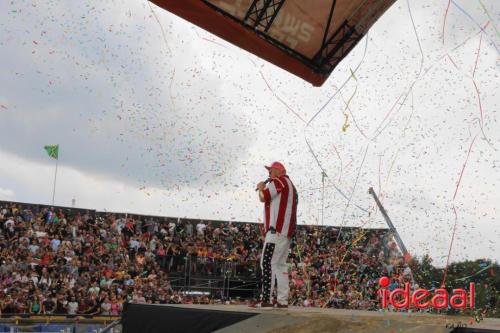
column 336, row 47
column 261, row 14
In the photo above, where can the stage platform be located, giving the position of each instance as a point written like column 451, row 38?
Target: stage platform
column 240, row 318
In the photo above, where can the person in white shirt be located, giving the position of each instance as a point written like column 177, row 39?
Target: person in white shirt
column 189, row 230
column 200, row 229
column 171, row 228
column 40, row 234
column 54, row 243
column 9, row 223
column 33, row 278
column 120, row 224
column 138, row 298
column 72, row 306
column 133, row 243
column 94, row 289
column 153, row 243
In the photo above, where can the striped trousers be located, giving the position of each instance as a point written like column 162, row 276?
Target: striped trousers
column 274, row 267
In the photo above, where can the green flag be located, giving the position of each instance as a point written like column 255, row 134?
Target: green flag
column 52, row 150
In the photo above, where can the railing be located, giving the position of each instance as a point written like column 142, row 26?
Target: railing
column 60, row 323
column 224, row 282
column 208, row 266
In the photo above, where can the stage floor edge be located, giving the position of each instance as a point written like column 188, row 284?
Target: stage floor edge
column 240, row 318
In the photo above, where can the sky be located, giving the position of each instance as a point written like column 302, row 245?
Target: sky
column 156, row 116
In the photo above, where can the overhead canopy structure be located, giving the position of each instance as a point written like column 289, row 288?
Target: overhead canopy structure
column 308, row 38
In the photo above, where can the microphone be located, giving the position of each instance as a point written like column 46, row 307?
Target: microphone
column 265, row 182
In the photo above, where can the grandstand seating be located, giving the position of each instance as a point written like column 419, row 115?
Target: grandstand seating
column 78, row 261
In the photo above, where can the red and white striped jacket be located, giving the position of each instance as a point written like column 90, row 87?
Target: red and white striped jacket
column 280, row 206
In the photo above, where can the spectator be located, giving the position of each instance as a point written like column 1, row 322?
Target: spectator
column 116, row 305
column 106, row 307
column 72, row 306
column 200, row 229
column 61, row 304
column 48, row 305
column 189, row 230
column 138, row 297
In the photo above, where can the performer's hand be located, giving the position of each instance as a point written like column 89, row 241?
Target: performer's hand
column 261, row 186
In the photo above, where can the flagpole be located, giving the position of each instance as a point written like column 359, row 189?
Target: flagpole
column 323, row 175
column 55, row 180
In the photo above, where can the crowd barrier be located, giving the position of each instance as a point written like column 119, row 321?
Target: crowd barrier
column 56, row 324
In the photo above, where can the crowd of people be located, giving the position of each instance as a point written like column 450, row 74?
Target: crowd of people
column 77, row 262
column 331, row 267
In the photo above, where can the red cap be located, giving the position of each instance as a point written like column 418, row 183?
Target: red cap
column 276, row 165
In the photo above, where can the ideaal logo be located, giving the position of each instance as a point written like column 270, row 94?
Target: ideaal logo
column 439, row 299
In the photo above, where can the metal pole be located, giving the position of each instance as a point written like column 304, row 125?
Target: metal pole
column 328, row 23
column 185, row 273
column 55, row 180
column 388, row 221
column 228, row 281
column 189, row 271
column 109, row 328
column 323, row 176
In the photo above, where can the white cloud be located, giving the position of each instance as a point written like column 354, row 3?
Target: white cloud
column 6, row 194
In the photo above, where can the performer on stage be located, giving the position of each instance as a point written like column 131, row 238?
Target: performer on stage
column 280, row 200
